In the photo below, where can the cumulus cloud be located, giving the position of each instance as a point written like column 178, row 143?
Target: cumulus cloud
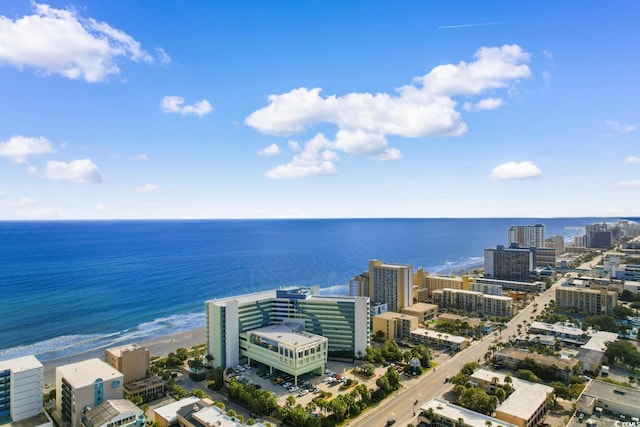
column 618, row 127
column 25, row 201
column 484, row 104
column 271, row 150
column 81, row 171
column 57, row 41
column 423, row 108
column 19, row 148
column 317, row 158
column 141, row 156
column 175, row 104
column 632, row 160
column 514, row 170
column 630, row 183
column 148, row 188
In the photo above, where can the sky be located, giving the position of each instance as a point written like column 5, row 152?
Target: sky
column 153, row 109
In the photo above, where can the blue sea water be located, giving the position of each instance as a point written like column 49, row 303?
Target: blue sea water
column 72, row 286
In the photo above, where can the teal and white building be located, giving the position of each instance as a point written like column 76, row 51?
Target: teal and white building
column 342, row 321
column 21, row 389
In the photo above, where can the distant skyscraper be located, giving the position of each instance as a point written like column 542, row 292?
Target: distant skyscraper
column 526, row 236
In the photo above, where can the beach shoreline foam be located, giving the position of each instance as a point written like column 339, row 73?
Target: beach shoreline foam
column 159, row 346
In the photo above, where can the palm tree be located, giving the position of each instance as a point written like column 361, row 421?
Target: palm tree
column 460, row 422
column 488, row 423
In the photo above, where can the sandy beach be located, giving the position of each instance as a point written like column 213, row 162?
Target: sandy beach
column 159, row 346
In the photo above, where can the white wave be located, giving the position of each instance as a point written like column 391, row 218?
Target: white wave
column 66, row 345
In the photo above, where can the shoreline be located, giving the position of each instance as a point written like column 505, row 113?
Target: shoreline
column 159, row 346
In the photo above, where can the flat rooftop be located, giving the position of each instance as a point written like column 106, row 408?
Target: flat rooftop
column 20, row 364
column 568, row 330
column 525, row 399
column 284, row 333
column 168, row 412
column 439, row 335
column 455, row 412
column 601, row 390
column 117, row 351
column 542, row 359
column 84, row 373
column 420, row 307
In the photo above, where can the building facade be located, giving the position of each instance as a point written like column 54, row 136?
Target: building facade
column 507, row 263
column 593, row 301
column 21, row 388
column 424, row 312
column 344, row 321
column 391, row 284
column 526, row 236
column 132, row 360
column 475, row 302
column 85, row 385
column 395, row 326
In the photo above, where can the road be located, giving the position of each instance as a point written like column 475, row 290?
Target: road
column 401, row 407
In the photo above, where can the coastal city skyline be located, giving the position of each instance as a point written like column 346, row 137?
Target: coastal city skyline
column 265, row 110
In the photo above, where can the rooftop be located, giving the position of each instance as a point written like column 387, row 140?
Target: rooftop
column 439, row 335
column 558, row 328
column 394, row 315
column 613, row 393
column 600, row 340
column 542, row 359
column 110, row 409
column 454, row 412
column 117, row 351
column 20, row 364
column 168, row 412
column 84, row 373
column 420, row 307
column 525, row 399
column 285, row 333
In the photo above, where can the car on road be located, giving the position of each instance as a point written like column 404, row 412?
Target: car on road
column 446, row 380
column 390, row 422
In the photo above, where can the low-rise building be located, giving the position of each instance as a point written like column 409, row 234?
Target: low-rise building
column 525, row 407
column 112, row 413
column 439, row 412
column 167, row 415
column 611, row 399
column 562, row 332
column 513, row 358
column 424, row 312
column 395, row 326
column 204, row 414
column 286, row 347
column 431, row 337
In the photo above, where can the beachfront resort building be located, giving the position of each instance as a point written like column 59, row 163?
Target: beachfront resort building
column 21, row 389
column 526, row 236
column 507, row 262
column 133, row 362
column 343, row 321
column 82, row 386
column 391, row 284
column 592, row 301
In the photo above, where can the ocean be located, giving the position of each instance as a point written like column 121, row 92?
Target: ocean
column 72, row 286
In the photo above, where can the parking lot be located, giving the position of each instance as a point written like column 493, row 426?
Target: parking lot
column 309, row 385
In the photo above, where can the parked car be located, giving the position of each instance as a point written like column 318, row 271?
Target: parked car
column 391, row 422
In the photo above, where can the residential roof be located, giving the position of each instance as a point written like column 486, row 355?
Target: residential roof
column 455, row 412
column 107, row 411
column 526, row 398
column 168, row 412
column 20, row 364
column 605, row 391
column 439, row 335
column 589, row 356
column 558, row 328
column 600, row 340
column 542, row 359
column 420, row 307
column 286, row 333
column 84, row 373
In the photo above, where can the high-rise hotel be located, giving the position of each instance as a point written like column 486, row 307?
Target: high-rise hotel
column 526, row 236
column 242, row 327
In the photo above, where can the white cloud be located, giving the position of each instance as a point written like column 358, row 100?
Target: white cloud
column 630, row 183
column 18, row 148
column 484, row 104
column 618, row 127
column 315, row 159
column 271, row 150
column 25, row 201
column 43, row 213
column 513, row 170
column 75, row 171
column 422, row 109
column 57, row 41
column 547, row 54
column 148, row 188
column 174, row 104
column 141, row 156
column 632, row 160
column 103, row 208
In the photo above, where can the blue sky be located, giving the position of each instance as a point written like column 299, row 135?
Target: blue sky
column 318, row 109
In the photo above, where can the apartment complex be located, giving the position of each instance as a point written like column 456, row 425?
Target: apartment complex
column 507, row 263
column 84, row 385
column 528, row 287
column 21, row 389
column 556, row 242
column 526, row 236
column 432, row 337
column 133, row 362
column 395, row 325
column 592, row 301
column 391, row 284
column 344, row 321
column 424, row 312
column 475, row 302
